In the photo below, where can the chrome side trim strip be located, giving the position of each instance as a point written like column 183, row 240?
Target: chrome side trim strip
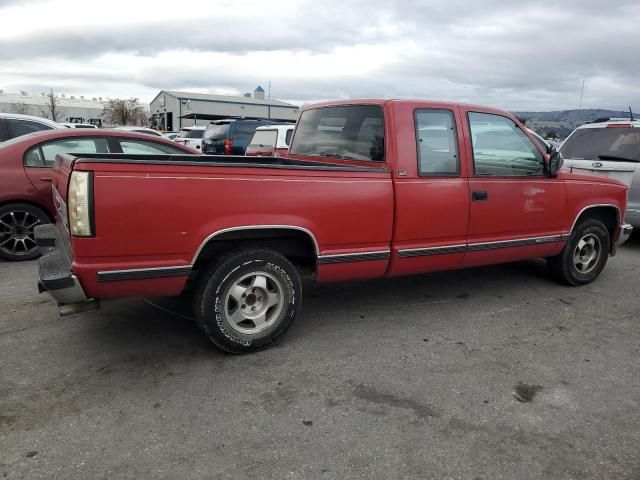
column 418, row 252
column 144, row 273
column 255, row 227
column 472, row 247
column 354, row 257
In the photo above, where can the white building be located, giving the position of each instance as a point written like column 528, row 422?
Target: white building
column 172, row 110
column 72, row 109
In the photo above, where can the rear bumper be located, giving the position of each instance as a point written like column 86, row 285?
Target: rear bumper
column 55, row 271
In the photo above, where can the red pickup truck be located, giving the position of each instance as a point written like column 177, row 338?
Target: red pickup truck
column 372, row 188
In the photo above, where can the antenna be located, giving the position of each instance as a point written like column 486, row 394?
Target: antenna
column 581, row 93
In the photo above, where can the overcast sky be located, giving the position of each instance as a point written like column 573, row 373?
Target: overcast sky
column 509, row 54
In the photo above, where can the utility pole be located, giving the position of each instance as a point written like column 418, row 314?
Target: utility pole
column 269, row 90
column 581, row 94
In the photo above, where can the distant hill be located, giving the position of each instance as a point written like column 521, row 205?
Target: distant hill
column 561, row 123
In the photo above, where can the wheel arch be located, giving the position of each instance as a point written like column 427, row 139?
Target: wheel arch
column 296, row 243
column 608, row 213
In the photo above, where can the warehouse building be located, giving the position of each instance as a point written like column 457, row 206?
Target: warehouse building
column 172, row 110
column 72, row 109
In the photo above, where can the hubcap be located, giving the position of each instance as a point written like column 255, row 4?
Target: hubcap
column 254, row 302
column 16, row 232
column 587, row 253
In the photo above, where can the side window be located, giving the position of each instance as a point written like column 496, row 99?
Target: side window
column 144, row 147
column 437, row 143
column 243, row 131
column 501, row 149
column 34, row 158
column 287, row 138
column 48, row 151
column 23, row 127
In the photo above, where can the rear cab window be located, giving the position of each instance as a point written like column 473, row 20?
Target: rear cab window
column 349, row 132
column 437, row 143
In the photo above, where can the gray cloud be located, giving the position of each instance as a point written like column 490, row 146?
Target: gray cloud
column 514, row 55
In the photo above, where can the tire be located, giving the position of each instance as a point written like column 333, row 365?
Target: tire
column 585, row 254
column 247, row 300
column 17, row 221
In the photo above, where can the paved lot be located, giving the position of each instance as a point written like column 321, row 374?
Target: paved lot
column 407, row 378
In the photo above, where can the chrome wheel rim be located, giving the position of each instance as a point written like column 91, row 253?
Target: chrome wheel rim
column 16, row 232
column 587, row 253
column 254, row 303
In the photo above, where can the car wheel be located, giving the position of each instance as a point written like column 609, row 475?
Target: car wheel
column 248, row 299
column 585, row 254
column 17, row 221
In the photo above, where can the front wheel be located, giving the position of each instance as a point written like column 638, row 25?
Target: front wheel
column 248, row 300
column 585, row 254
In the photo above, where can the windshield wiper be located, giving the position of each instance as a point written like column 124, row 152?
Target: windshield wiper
column 614, row 158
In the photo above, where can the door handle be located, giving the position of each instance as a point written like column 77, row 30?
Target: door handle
column 46, row 179
column 479, row 196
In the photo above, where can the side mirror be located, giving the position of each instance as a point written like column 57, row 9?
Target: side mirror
column 554, row 163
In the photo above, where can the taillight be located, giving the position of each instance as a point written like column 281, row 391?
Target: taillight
column 228, row 146
column 80, row 204
column 619, row 125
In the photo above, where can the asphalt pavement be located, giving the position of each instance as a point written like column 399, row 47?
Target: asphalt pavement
column 489, row 373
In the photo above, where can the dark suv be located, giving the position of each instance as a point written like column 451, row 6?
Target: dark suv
column 231, row 136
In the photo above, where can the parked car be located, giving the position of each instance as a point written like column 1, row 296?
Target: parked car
column 191, row 136
column 14, row 125
column 26, row 176
column 145, row 130
column 544, row 143
column 78, row 125
column 608, row 148
column 231, row 136
column 170, row 135
column 371, row 188
column 270, row 141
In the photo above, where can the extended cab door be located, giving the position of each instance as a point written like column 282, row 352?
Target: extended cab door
column 516, row 211
column 431, row 189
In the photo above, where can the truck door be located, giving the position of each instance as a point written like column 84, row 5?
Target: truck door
column 431, row 191
column 516, row 211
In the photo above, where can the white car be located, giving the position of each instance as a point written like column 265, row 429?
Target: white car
column 149, row 131
column 78, row 125
column 191, row 136
column 610, row 148
column 14, row 125
column 271, row 141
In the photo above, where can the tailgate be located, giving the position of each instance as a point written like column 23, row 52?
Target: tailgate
column 618, row 170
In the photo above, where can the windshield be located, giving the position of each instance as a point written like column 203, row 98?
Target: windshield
column 216, row 131
column 352, row 132
column 591, row 143
column 191, row 133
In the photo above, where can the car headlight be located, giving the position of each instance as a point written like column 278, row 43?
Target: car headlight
column 81, row 204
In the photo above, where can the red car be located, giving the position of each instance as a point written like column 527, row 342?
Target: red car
column 25, row 176
column 371, row 188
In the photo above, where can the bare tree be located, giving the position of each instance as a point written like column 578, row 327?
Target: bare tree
column 52, row 107
column 21, row 108
column 118, row 111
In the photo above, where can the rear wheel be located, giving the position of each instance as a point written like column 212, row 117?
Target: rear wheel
column 17, row 221
column 248, row 300
column 585, row 254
